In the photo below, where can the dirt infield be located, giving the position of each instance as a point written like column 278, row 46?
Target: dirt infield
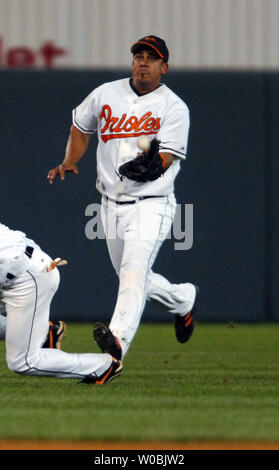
column 105, row 445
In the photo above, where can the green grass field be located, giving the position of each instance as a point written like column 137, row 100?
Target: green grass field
column 222, row 385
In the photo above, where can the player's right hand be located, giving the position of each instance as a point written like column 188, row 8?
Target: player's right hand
column 60, row 170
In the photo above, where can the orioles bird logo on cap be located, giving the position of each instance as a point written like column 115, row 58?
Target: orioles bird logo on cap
column 150, row 38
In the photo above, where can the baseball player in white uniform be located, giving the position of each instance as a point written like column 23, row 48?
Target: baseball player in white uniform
column 138, row 202
column 3, row 321
column 55, row 336
column 29, row 279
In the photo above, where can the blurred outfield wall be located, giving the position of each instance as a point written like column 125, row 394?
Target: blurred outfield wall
column 230, row 177
column 99, row 33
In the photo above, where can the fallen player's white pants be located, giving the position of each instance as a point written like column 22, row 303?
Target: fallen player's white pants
column 3, row 322
column 27, row 300
column 134, row 234
column 2, row 318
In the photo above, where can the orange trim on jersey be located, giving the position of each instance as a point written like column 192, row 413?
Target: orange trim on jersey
column 150, row 45
column 107, row 137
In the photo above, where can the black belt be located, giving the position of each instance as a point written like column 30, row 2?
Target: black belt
column 28, row 252
column 139, row 198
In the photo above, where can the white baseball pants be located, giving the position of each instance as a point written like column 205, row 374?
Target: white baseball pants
column 134, row 234
column 27, row 299
column 3, row 322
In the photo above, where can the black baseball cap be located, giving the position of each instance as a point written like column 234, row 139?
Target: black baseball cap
column 155, row 43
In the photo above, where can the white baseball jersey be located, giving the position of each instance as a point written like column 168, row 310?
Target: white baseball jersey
column 27, row 298
column 12, row 247
column 120, row 116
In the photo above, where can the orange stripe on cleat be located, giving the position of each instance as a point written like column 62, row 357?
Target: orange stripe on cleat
column 188, row 319
column 50, row 333
column 100, row 382
column 51, row 339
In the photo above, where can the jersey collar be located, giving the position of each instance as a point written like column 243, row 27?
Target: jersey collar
column 141, row 94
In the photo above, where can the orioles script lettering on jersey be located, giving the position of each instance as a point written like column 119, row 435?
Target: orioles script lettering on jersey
column 131, row 126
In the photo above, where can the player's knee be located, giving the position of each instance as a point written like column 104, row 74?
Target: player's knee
column 132, row 276
column 21, row 362
column 17, row 363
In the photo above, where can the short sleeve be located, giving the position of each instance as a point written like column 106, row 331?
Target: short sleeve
column 174, row 131
column 85, row 116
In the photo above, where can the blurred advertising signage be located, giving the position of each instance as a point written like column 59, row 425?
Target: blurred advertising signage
column 25, row 57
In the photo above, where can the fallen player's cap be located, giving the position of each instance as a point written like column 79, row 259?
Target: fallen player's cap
column 155, row 43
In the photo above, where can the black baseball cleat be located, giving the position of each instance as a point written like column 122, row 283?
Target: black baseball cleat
column 110, row 374
column 184, row 325
column 106, row 341
column 56, row 334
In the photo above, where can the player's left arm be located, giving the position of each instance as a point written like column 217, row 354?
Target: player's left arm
column 170, row 143
column 147, row 166
column 173, row 134
column 167, row 159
